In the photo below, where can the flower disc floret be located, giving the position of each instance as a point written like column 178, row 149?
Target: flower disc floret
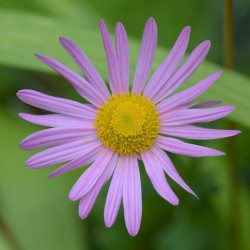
column 127, row 123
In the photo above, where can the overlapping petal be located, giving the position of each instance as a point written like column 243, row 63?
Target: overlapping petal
column 169, row 168
column 55, row 136
column 56, row 104
column 84, row 158
column 187, row 95
column 88, row 200
column 165, row 70
column 197, row 133
column 183, row 72
column 157, row 177
column 115, row 81
column 61, row 153
column 187, row 116
column 55, row 120
column 85, row 89
column 179, row 147
column 91, row 175
column 86, row 66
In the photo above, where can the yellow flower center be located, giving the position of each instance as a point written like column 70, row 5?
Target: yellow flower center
column 127, row 123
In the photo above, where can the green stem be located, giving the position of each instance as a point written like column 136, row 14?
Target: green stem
column 234, row 202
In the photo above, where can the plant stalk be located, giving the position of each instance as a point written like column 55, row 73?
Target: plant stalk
column 234, row 202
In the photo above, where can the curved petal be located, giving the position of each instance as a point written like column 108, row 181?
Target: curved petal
column 146, row 56
column 132, row 200
column 55, row 120
column 122, row 50
column 169, row 168
column 113, row 66
column 157, row 177
column 90, row 176
column 183, row 117
column 56, row 104
column 197, row 133
column 114, row 196
column 164, row 72
column 184, row 71
column 54, row 136
column 179, row 147
column 88, row 200
column 86, row 90
column 187, row 95
column 61, row 153
column 83, row 158
column 86, row 66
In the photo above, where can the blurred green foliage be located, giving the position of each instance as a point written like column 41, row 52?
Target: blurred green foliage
column 36, row 211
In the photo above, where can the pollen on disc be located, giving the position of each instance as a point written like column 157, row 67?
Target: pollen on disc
column 127, row 123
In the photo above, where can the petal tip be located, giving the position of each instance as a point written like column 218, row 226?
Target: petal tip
column 133, row 233
column 51, row 175
column 23, row 145
column 108, row 223
column 101, row 22
column 40, row 57
column 151, row 19
column 175, row 201
column 63, row 40
column 119, row 25
column 21, row 114
column 207, row 43
column 73, row 196
column 187, row 29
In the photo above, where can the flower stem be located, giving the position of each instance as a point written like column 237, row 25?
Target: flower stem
column 234, row 203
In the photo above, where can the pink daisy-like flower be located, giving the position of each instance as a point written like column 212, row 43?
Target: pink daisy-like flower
column 119, row 129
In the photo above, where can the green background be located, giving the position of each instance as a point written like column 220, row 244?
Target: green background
column 35, row 212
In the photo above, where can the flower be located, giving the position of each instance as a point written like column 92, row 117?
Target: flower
column 117, row 130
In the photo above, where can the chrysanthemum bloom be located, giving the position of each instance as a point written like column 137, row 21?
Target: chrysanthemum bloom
column 118, row 129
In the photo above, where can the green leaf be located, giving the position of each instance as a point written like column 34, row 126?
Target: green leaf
column 22, row 35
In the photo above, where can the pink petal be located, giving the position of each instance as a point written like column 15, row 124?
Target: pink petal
column 85, row 89
column 157, row 177
column 55, row 136
column 122, row 50
column 87, row 67
column 54, row 120
column 55, row 104
column 187, row 95
column 113, row 66
column 146, row 56
column 183, row 117
column 90, row 176
column 197, row 133
column 83, row 158
column 169, row 168
column 87, row 201
column 184, row 71
column 61, row 153
column 179, row 147
column 132, row 201
column 114, row 196
column 164, row 72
